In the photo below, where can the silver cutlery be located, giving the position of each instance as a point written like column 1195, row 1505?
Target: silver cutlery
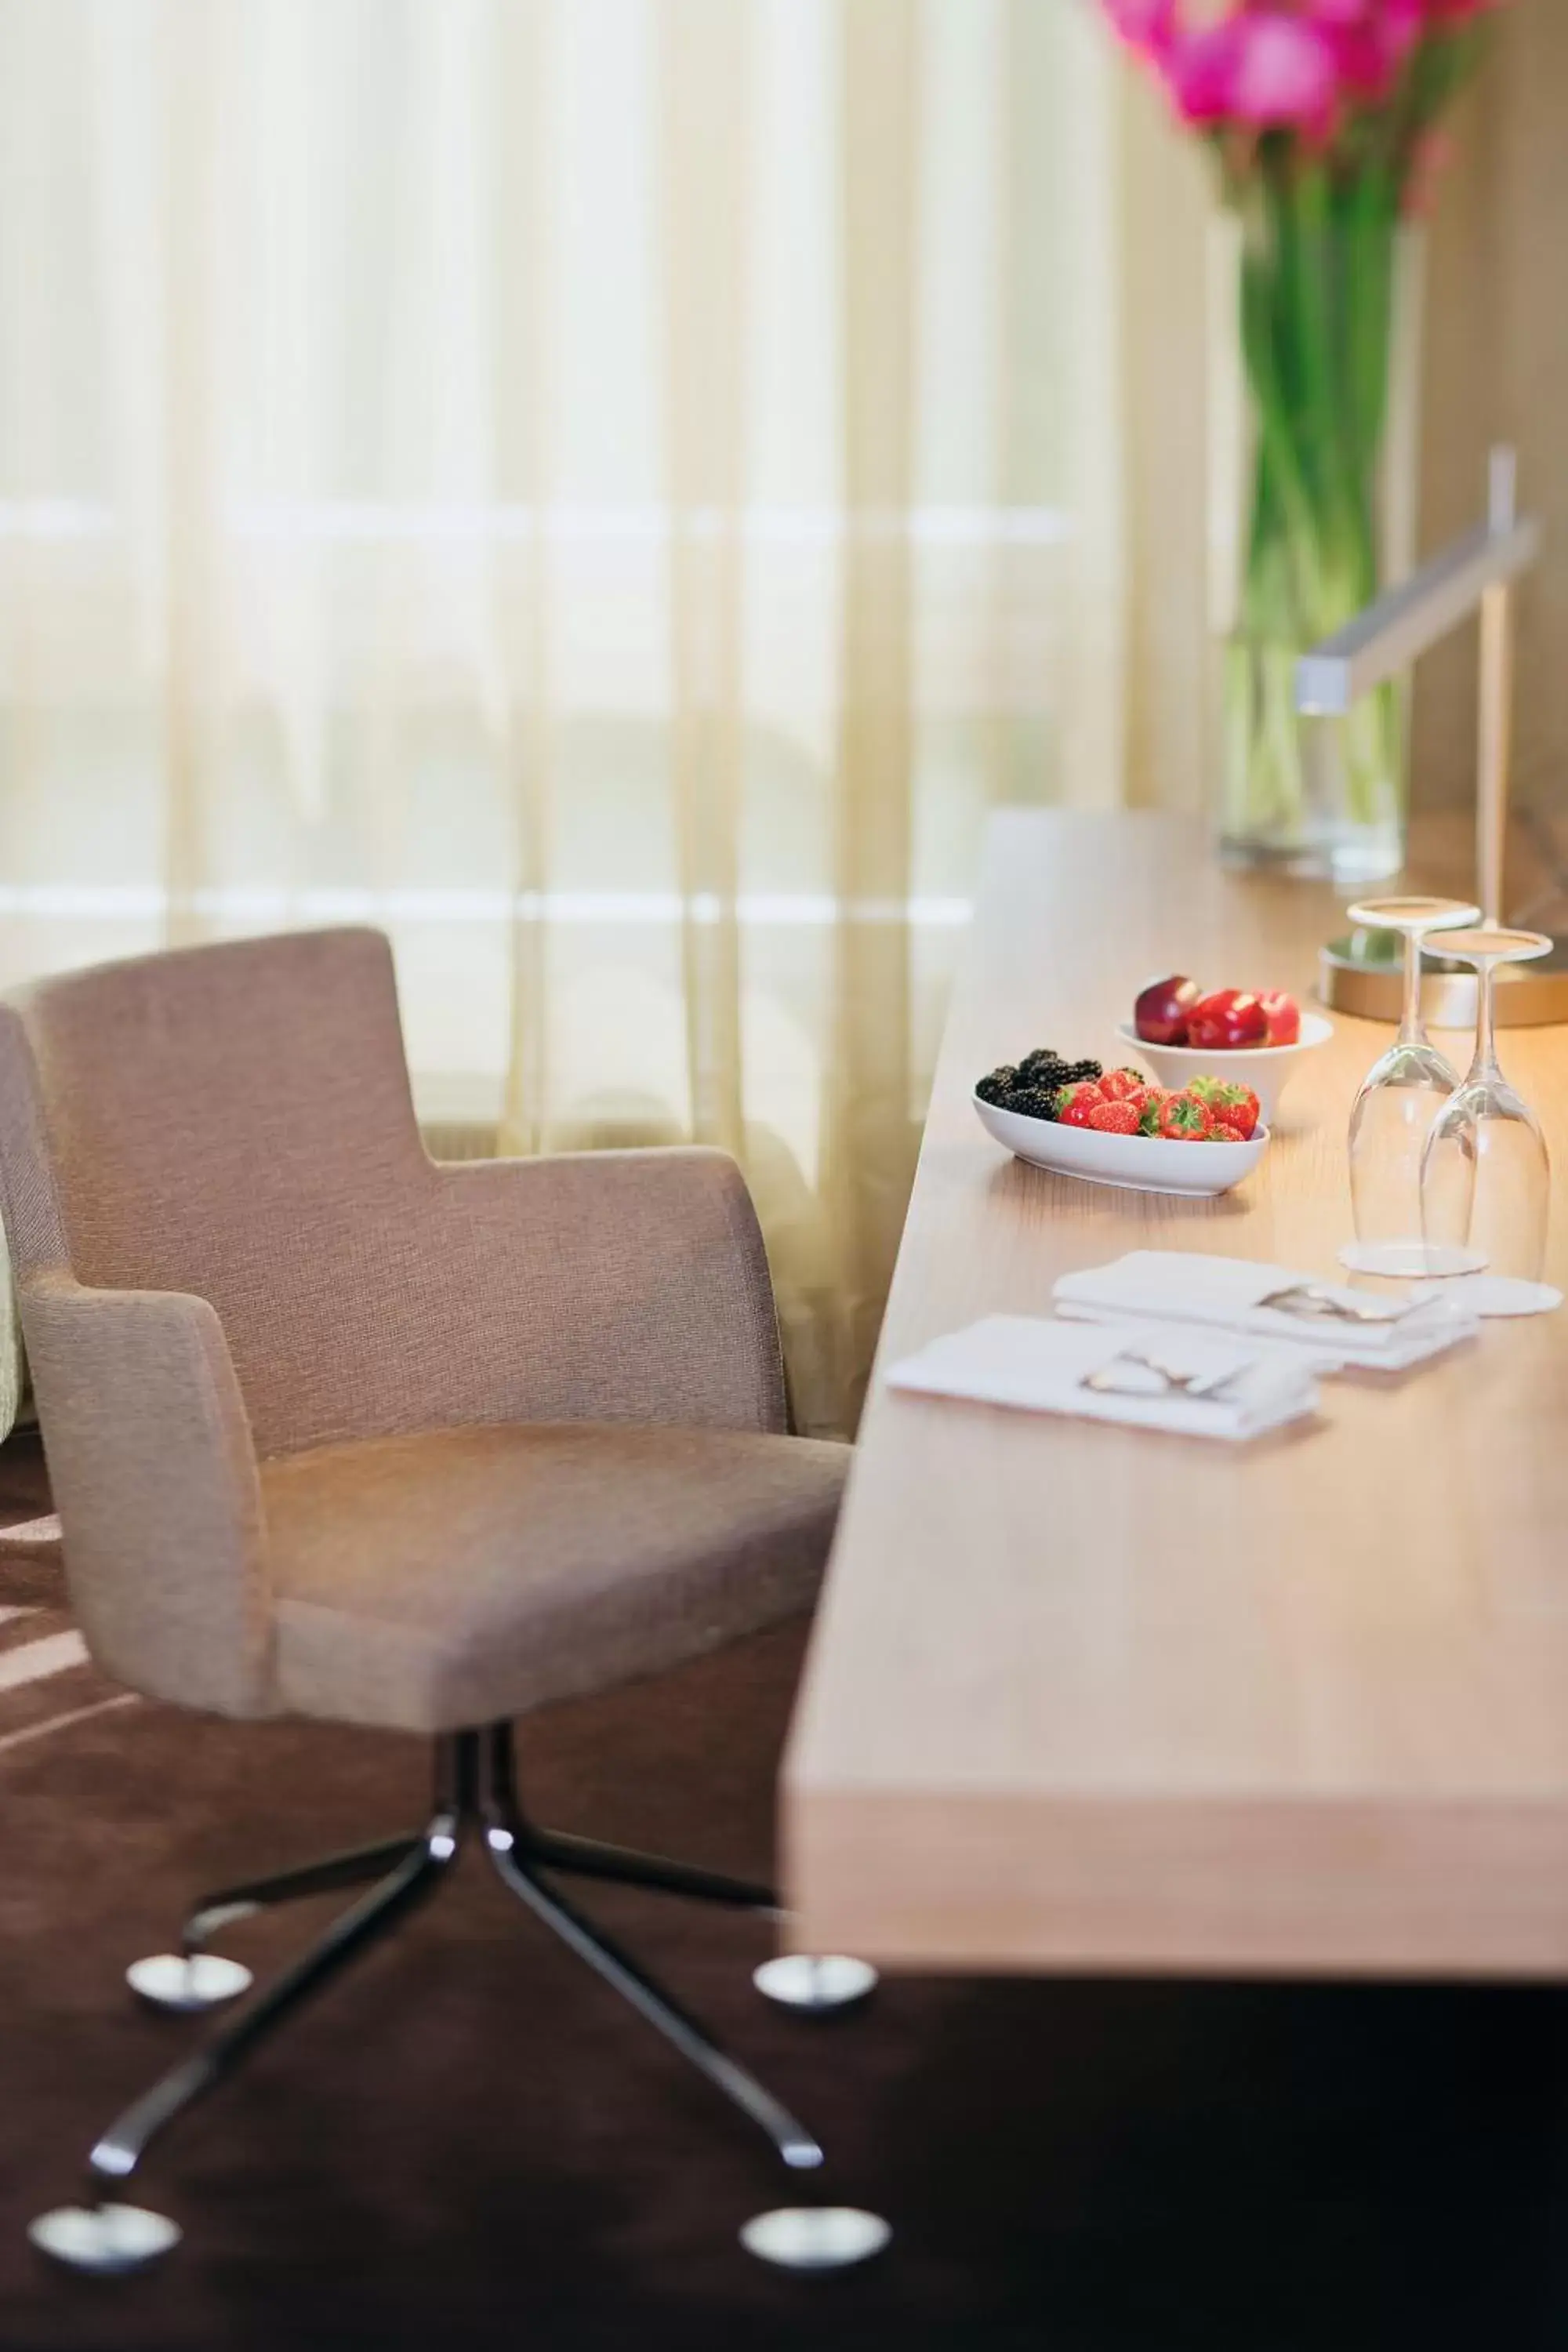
column 1103, row 1382
column 1310, row 1300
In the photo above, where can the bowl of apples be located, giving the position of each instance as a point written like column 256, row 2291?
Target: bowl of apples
column 1257, row 1036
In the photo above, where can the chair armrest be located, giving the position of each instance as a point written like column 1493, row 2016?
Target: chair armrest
column 613, row 1286
column 154, row 1476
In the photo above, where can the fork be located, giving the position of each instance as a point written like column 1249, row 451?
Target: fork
column 1189, row 1385
column 1307, row 1298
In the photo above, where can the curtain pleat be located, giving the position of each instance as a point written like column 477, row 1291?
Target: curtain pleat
column 871, row 1135
column 704, row 92
column 193, row 65
column 522, row 275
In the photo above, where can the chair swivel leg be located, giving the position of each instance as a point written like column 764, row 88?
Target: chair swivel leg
column 813, row 1984
column 122, row 2147
column 506, row 1844
column 97, row 2236
column 105, row 2236
column 581, row 1857
column 194, row 1977
column 360, row 1866
column 789, row 2135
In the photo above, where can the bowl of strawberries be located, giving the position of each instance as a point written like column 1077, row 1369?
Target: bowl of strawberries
column 1116, row 1127
column 1255, row 1037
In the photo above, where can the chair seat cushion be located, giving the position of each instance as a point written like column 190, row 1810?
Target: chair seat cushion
column 459, row 1577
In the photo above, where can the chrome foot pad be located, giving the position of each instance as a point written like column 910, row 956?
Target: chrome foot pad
column 815, row 1980
column 201, row 1981
column 108, row 2239
column 814, row 2237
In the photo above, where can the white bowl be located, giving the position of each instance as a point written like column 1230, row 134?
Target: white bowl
column 1266, row 1069
column 1143, row 1163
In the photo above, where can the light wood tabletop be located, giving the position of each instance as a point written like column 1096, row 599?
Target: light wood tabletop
column 1082, row 1697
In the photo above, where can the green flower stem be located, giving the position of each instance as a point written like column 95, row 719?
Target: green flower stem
column 1317, row 280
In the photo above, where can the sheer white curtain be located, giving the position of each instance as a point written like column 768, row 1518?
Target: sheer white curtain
column 607, row 489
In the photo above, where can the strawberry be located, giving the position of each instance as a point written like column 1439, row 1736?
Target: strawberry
column 1114, row 1117
column 1185, row 1118
column 1148, row 1116
column 1075, row 1103
column 1237, row 1105
column 1121, row 1086
column 1227, row 1098
column 1227, row 1129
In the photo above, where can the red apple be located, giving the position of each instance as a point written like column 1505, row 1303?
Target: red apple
column 1230, row 1018
column 1160, row 1015
column 1283, row 1015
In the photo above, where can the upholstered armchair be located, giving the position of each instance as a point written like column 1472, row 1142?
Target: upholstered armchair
column 337, row 1431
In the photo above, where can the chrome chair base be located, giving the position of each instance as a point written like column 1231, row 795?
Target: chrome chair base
column 815, row 1982
column 475, row 1792
column 816, row 2237
column 110, row 2239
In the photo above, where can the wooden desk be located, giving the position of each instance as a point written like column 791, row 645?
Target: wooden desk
column 1081, row 1697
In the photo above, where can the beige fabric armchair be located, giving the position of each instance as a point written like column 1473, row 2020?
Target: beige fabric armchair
column 338, row 1432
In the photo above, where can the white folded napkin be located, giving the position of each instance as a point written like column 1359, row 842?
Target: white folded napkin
column 1042, row 1367
column 1227, row 1293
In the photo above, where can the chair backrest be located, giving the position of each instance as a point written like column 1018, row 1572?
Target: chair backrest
column 232, row 1121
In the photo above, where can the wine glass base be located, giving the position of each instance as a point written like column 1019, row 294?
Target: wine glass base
column 1411, row 1261
column 1497, row 1294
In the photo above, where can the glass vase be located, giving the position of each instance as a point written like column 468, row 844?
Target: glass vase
column 1314, row 340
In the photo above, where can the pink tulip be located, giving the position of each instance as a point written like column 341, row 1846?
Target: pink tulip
column 1145, row 24
column 1398, row 22
column 1261, row 67
column 1370, row 38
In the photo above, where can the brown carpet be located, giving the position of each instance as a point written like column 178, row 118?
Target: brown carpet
column 468, row 2142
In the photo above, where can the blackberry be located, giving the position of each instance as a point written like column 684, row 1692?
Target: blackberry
column 1032, row 1086
column 1046, row 1058
column 1057, row 1074
column 1033, row 1102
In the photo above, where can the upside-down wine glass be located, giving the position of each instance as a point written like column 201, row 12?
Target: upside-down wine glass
column 1402, row 1094
column 1486, row 1178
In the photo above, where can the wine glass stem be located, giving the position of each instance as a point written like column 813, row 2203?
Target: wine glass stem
column 1486, row 1064
column 1411, row 1033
